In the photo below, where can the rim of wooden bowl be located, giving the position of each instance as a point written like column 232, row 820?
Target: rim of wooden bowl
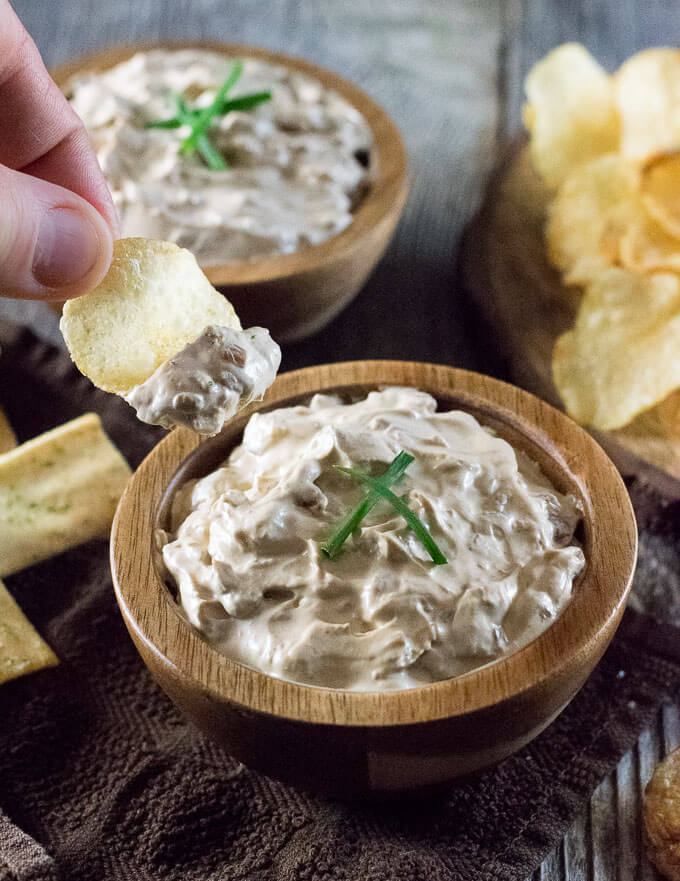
column 388, row 188
column 568, row 456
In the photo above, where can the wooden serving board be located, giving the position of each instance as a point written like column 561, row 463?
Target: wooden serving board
column 506, row 271
column 7, row 439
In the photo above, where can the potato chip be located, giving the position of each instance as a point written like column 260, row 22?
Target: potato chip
column 647, row 90
column 153, row 302
column 660, row 190
column 571, row 113
column 647, row 247
column 623, row 354
column 58, row 490
column 591, row 210
column 661, row 813
column 22, row 650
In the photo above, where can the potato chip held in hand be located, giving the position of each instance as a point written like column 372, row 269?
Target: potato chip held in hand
column 623, row 354
column 570, row 113
column 153, row 302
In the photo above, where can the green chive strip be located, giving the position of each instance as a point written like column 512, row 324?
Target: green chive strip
column 183, row 115
column 246, row 102
column 353, row 520
column 200, row 120
column 174, row 122
column 421, row 531
column 213, row 158
column 205, row 116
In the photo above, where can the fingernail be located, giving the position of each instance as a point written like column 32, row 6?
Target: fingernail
column 67, row 248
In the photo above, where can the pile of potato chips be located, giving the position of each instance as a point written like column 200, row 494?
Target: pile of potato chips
column 609, row 147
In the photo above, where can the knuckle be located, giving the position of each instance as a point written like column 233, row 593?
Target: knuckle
column 17, row 230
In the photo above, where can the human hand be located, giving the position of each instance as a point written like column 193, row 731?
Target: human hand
column 57, row 220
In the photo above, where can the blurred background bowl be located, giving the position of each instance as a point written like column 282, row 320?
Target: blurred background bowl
column 297, row 294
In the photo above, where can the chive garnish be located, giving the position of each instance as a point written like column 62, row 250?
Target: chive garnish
column 379, row 487
column 402, row 508
column 200, row 120
column 353, row 520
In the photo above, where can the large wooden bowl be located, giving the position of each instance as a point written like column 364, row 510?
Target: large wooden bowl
column 353, row 743
column 295, row 295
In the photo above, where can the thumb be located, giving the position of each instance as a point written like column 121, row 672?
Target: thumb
column 53, row 244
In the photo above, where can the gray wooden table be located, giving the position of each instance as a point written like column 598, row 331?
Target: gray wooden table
column 450, row 72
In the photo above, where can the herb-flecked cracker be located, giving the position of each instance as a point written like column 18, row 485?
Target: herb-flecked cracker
column 153, row 302
column 57, row 491
column 22, row 650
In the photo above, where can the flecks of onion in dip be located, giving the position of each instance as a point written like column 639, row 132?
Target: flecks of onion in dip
column 245, row 548
column 297, row 165
column 209, row 380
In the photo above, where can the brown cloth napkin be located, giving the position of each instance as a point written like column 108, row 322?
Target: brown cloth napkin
column 101, row 777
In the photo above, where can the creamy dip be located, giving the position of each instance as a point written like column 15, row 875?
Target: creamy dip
column 297, row 165
column 209, row 380
column 245, row 547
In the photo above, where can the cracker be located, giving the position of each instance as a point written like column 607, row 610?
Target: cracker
column 22, row 650
column 57, row 491
column 153, row 302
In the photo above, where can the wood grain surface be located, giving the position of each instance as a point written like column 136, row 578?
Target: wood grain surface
column 7, row 438
column 450, row 73
column 382, row 741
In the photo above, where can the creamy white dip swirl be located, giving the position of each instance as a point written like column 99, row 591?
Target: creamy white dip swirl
column 297, row 165
column 245, row 546
column 209, row 380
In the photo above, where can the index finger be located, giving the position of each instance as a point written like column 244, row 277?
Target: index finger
column 41, row 133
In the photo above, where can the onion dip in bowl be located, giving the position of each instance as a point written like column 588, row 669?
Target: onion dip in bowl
column 249, row 545
column 295, row 167
column 356, row 743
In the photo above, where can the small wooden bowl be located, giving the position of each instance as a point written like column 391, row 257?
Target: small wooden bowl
column 295, row 295
column 355, row 743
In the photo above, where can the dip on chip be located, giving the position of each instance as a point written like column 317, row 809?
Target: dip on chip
column 157, row 333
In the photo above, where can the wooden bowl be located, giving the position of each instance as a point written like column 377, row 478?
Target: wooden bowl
column 295, row 295
column 355, row 743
